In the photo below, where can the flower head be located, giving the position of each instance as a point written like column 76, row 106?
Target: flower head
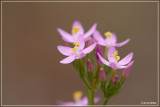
column 110, row 40
column 76, row 52
column 77, row 95
column 114, row 59
column 78, row 101
column 77, row 33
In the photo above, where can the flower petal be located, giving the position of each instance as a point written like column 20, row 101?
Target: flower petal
column 103, row 60
column 113, row 39
column 113, row 65
column 68, row 59
column 126, row 59
column 111, row 51
column 78, row 24
column 82, row 44
column 122, row 67
column 84, row 101
column 90, row 31
column 66, row 36
column 80, row 56
column 65, row 50
column 122, row 43
column 89, row 49
column 98, row 37
column 96, row 99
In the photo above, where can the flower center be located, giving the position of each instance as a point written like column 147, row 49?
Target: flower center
column 108, row 34
column 76, row 48
column 76, row 44
column 77, row 96
column 75, row 29
column 116, row 56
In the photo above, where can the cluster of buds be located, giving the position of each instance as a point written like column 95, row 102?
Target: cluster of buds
column 93, row 64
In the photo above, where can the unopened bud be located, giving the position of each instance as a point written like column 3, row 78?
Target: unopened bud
column 115, row 79
column 99, row 50
column 89, row 65
column 102, row 75
column 127, row 70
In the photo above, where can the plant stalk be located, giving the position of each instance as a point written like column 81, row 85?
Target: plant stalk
column 90, row 94
column 106, row 101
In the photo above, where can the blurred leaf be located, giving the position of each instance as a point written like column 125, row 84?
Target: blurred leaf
column 107, row 69
column 112, row 89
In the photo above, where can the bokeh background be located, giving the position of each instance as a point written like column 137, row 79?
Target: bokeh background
column 32, row 74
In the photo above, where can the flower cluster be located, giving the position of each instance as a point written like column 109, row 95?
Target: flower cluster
column 93, row 64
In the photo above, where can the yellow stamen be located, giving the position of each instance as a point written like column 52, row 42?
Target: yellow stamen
column 76, row 44
column 75, row 29
column 74, row 49
column 77, row 95
column 108, row 34
column 116, row 56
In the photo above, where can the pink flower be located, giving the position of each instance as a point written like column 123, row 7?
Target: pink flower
column 114, row 59
column 78, row 100
column 74, row 53
column 77, row 33
column 110, row 40
column 82, row 102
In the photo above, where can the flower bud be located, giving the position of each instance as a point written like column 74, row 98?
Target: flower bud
column 102, row 75
column 99, row 50
column 127, row 70
column 89, row 65
column 115, row 79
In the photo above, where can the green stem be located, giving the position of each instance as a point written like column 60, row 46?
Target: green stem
column 106, row 101
column 92, row 97
column 97, row 82
column 90, row 94
column 85, row 83
column 113, row 74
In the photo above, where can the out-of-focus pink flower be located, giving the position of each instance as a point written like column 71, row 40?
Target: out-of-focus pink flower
column 82, row 102
column 78, row 101
column 74, row 53
column 114, row 59
column 127, row 70
column 110, row 40
column 78, row 34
